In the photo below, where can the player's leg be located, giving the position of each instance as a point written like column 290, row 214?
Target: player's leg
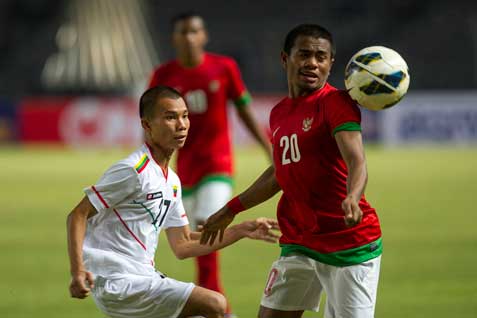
column 292, row 287
column 210, row 197
column 205, row 303
column 351, row 290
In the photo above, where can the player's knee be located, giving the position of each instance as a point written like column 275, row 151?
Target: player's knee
column 217, row 303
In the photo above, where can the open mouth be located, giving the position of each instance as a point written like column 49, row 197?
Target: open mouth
column 180, row 137
column 308, row 76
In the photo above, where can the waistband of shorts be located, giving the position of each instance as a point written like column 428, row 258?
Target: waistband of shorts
column 189, row 190
column 347, row 257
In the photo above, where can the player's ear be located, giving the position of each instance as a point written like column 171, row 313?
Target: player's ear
column 283, row 59
column 145, row 125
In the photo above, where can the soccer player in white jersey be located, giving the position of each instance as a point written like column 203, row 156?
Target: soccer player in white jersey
column 113, row 232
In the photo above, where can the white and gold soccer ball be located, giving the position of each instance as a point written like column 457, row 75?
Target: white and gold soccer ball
column 377, row 77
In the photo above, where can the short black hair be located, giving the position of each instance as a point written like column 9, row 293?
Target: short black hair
column 185, row 16
column 150, row 97
column 313, row 30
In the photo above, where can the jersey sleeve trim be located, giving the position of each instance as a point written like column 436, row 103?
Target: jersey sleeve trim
column 100, row 197
column 210, row 178
column 243, row 100
column 347, row 257
column 349, row 126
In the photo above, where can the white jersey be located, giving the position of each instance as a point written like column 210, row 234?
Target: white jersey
column 135, row 199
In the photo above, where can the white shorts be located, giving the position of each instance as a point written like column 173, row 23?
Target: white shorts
column 141, row 296
column 296, row 283
column 206, row 200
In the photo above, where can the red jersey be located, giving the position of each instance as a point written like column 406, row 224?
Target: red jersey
column 312, row 174
column 206, row 89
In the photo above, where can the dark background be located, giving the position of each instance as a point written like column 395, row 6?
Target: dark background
column 438, row 39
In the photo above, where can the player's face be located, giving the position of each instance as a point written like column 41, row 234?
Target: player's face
column 308, row 64
column 169, row 125
column 189, row 36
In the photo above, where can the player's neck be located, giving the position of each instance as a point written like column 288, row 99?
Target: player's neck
column 160, row 155
column 191, row 60
column 296, row 92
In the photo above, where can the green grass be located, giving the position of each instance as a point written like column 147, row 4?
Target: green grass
column 426, row 200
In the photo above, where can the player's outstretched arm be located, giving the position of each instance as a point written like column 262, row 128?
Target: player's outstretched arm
column 351, row 147
column 76, row 228
column 265, row 187
column 185, row 243
column 245, row 114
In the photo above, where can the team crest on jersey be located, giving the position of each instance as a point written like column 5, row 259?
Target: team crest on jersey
column 214, row 86
column 153, row 196
column 174, row 190
column 307, row 123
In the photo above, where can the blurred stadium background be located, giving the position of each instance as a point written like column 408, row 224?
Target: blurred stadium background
column 71, row 72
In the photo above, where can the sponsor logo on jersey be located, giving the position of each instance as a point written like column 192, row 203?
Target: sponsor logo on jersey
column 153, row 196
column 214, row 86
column 174, row 190
column 307, row 123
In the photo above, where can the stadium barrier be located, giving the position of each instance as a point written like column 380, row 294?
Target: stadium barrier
column 80, row 122
column 432, row 118
column 422, row 117
column 8, row 121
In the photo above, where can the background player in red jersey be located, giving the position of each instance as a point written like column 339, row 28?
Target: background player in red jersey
column 331, row 237
column 205, row 163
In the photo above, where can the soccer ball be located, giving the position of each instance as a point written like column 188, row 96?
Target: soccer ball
column 377, row 77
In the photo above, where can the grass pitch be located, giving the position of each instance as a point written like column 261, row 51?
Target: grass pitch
column 426, row 199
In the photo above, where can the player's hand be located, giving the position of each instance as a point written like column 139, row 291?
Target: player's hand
column 261, row 229
column 352, row 212
column 216, row 225
column 79, row 284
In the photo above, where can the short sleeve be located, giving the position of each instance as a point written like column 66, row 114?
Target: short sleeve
column 116, row 184
column 177, row 217
column 236, row 89
column 341, row 113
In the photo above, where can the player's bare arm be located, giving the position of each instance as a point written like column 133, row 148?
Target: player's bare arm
column 81, row 280
column 351, row 147
column 265, row 187
column 249, row 121
column 184, row 244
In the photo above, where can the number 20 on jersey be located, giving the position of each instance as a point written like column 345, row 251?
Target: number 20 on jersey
column 291, row 152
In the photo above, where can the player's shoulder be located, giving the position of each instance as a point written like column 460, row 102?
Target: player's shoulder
column 219, row 58
column 222, row 61
column 332, row 93
column 137, row 160
column 165, row 67
column 284, row 102
column 338, row 97
column 279, row 109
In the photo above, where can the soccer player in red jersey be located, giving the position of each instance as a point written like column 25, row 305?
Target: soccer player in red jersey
column 331, row 237
column 205, row 163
